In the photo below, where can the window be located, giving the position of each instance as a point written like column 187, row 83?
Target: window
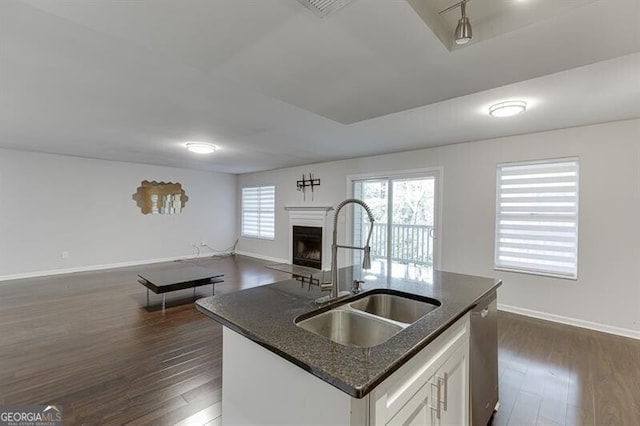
column 537, row 218
column 258, row 212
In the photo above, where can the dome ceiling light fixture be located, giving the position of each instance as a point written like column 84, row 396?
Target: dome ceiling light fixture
column 507, row 109
column 200, row 147
column 463, row 32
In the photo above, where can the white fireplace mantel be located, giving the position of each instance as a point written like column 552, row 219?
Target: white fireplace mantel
column 314, row 216
column 309, row 208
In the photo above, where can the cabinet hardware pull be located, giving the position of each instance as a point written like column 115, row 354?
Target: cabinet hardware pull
column 437, row 403
column 442, row 384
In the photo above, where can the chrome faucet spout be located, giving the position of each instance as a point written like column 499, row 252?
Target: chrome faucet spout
column 366, row 262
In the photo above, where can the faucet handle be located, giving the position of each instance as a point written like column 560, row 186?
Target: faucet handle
column 356, row 287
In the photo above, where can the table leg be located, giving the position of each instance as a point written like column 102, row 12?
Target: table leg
column 194, row 291
column 147, row 297
column 163, row 300
column 213, row 289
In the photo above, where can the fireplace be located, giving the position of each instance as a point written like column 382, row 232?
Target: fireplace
column 307, row 246
column 309, row 227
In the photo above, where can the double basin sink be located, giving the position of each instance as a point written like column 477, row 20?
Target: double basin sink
column 369, row 319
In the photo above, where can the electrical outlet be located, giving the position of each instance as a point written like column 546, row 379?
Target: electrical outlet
column 64, row 254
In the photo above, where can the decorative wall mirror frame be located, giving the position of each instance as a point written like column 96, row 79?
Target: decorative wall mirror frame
column 160, row 197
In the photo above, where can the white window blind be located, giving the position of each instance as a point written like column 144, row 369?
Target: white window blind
column 258, row 212
column 537, row 217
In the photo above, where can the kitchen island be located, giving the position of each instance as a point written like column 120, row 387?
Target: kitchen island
column 277, row 372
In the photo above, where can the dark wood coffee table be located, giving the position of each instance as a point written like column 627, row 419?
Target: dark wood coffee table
column 162, row 281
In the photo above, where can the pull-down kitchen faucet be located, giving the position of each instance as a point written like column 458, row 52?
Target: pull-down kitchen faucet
column 334, row 286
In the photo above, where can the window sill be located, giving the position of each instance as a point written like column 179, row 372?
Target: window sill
column 542, row 274
column 258, row 238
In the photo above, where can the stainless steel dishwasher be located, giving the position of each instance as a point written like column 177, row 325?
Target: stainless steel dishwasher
column 484, row 360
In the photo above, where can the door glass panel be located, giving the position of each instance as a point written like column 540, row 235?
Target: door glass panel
column 413, row 202
column 376, row 194
column 402, row 240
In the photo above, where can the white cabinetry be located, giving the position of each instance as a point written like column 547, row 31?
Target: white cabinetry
column 432, row 388
column 440, row 401
column 454, row 405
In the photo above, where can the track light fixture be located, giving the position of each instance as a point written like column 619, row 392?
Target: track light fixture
column 463, row 31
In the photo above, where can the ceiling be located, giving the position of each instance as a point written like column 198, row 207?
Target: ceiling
column 274, row 85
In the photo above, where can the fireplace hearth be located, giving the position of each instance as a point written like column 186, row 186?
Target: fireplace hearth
column 307, row 246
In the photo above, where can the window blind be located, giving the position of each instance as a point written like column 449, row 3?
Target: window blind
column 537, row 217
column 258, row 212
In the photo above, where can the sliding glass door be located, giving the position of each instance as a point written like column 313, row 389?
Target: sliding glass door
column 404, row 238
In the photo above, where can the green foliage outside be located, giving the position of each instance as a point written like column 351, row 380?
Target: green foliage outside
column 413, row 201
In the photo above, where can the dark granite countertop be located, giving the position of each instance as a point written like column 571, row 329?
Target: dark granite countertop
column 266, row 315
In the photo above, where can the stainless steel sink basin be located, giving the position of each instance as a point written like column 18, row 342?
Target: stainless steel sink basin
column 350, row 328
column 370, row 320
column 394, row 307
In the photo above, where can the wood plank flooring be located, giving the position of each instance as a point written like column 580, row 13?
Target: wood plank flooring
column 552, row 374
column 87, row 341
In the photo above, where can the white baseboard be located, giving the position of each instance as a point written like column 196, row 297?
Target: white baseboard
column 260, row 256
column 96, row 267
column 626, row 332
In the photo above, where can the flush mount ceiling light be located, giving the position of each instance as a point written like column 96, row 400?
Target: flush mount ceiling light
column 463, row 32
column 507, row 109
column 200, row 147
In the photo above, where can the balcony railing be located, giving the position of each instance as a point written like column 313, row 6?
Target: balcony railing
column 410, row 244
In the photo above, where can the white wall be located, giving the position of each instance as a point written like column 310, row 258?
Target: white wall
column 53, row 203
column 607, row 292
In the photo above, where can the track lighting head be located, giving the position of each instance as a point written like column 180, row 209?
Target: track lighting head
column 463, row 32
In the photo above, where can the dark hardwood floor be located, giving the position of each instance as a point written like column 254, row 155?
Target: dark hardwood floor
column 553, row 374
column 87, row 341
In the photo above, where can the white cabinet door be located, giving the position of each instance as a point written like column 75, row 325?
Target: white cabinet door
column 444, row 399
column 431, row 388
column 417, row 411
column 452, row 379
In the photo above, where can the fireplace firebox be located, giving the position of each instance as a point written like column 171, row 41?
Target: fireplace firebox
column 307, row 246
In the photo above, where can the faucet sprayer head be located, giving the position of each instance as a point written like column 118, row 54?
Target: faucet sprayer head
column 366, row 260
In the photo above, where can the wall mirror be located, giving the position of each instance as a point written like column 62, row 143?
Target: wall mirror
column 160, row 197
